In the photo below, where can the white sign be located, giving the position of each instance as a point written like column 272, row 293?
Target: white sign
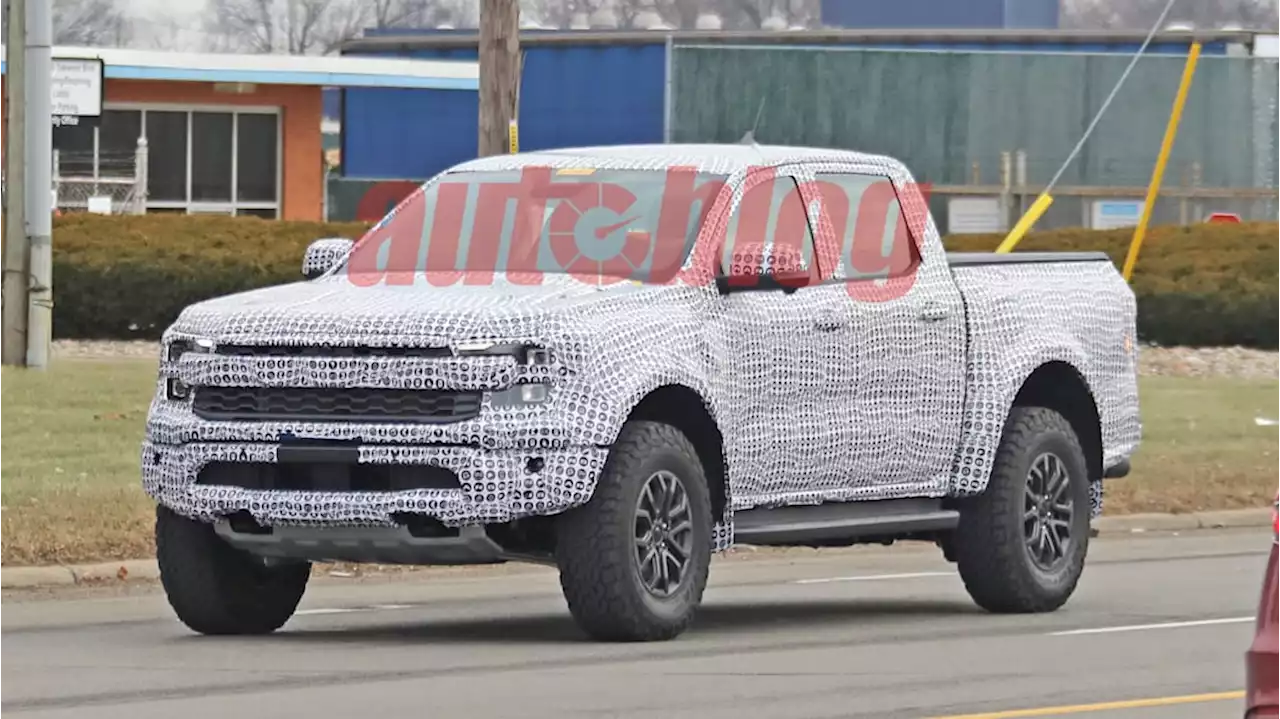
column 974, row 216
column 100, row 205
column 1110, row 214
column 1266, row 45
column 77, row 90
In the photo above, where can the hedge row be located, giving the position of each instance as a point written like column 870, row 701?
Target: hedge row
column 127, row 277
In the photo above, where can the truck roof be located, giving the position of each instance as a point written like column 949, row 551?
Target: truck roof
column 715, row 158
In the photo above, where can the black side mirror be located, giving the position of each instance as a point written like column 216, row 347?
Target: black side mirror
column 754, row 269
column 762, row 282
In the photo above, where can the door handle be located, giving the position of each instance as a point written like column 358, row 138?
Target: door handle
column 830, row 324
column 934, row 312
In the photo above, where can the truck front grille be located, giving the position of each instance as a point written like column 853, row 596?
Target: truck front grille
column 331, row 351
column 334, row 404
column 326, row 476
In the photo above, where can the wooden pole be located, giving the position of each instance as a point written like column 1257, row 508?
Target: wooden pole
column 16, row 279
column 499, row 73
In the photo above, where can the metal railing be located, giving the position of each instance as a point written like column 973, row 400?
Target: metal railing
column 1182, row 199
column 88, row 181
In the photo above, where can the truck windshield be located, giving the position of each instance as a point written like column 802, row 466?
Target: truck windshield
column 587, row 222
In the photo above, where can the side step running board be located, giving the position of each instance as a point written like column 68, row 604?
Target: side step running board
column 841, row 520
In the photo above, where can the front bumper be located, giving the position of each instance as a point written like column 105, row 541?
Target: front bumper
column 496, row 485
column 382, row 545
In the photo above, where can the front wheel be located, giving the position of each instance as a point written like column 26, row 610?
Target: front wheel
column 634, row 559
column 215, row 588
column 1021, row 544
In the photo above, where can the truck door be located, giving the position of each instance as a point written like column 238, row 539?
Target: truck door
column 771, row 349
column 899, row 379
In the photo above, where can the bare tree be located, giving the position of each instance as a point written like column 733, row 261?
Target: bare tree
column 1141, row 14
column 316, row 27
column 734, row 14
column 92, row 23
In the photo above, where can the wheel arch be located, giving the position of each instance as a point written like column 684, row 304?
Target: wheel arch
column 685, row 409
column 1059, row 386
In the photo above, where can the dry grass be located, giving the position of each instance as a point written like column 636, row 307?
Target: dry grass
column 1201, row 447
column 70, row 445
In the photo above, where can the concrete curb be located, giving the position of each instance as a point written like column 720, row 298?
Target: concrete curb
column 69, row 575
column 1221, row 519
column 146, row 569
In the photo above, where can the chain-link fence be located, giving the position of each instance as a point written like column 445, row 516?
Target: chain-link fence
column 110, row 182
column 1000, row 124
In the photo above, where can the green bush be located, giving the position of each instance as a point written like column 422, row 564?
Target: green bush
column 127, row 277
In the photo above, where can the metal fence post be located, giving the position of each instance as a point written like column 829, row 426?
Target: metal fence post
column 140, row 177
column 57, row 178
column 1006, row 187
column 668, row 55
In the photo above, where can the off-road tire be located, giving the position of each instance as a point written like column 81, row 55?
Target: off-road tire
column 990, row 545
column 595, row 545
column 217, row 589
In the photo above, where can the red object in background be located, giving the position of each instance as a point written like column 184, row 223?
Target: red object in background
column 1223, row 217
column 1261, row 693
column 378, row 200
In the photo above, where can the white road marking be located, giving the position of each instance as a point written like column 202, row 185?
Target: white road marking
column 329, row 610
column 1143, row 627
column 873, row 577
column 351, row 610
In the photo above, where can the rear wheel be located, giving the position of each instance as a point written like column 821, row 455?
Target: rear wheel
column 1021, row 545
column 215, row 588
column 634, row 559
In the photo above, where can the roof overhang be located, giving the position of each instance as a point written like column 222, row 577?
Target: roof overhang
column 393, row 41
column 279, row 69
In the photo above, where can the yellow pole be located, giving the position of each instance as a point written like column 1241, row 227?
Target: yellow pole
column 1170, row 134
column 1024, row 225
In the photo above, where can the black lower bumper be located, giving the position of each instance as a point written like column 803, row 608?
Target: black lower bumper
column 1118, row 470
column 378, row 545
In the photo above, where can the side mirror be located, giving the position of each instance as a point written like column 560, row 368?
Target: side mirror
column 323, row 254
column 755, row 268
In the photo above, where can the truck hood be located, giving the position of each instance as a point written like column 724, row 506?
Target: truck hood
column 333, row 309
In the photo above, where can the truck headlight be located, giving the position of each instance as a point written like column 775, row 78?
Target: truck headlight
column 520, row 395
column 179, row 347
column 527, row 354
column 175, row 389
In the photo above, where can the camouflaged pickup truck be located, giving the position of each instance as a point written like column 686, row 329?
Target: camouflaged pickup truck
column 621, row 360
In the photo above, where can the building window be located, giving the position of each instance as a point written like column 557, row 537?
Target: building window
column 200, row 161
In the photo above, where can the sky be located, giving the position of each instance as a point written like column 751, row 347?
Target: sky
column 188, row 10
column 142, row 6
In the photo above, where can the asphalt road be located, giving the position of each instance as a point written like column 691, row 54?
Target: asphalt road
column 870, row 632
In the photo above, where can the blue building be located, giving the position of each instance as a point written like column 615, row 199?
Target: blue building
column 612, row 87
column 927, row 14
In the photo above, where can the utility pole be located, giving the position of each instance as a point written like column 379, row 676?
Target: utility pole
column 499, row 73
column 14, row 347
column 39, row 108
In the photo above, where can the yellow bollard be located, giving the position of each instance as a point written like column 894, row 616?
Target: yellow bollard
column 1170, row 134
column 1034, row 212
